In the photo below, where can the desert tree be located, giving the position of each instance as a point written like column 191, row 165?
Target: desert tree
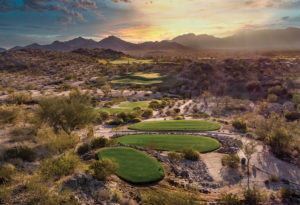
column 249, row 149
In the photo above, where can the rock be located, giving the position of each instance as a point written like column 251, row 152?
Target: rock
column 184, row 174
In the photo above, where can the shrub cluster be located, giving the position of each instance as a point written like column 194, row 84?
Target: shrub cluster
column 190, row 153
column 239, row 125
column 174, row 156
column 104, row 168
column 22, row 152
column 55, row 168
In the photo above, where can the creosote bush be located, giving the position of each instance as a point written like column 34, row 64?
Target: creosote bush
column 22, row 152
column 229, row 199
column 82, row 149
column 99, row 142
column 231, row 160
column 56, row 142
column 104, row 168
column 55, row 168
column 67, row 113
column 239, row 125
column 174, row 156
column 190, row 153
column 254, row 196
column 6, row 174
column 20, row 98
column 8, row 114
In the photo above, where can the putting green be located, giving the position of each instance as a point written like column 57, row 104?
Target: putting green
column 135, row 166
column 171, row 142
column 176, row 125
column 134, row 104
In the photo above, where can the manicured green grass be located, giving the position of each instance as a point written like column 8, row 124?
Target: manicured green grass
column 167, row 142
column 140, row 78
column 130, row 61
column 176, row 125
column 134, row 104
column 115, row 110
column 135, row 166
column 148, row 75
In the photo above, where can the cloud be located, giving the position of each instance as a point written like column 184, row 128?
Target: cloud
column 70, row 9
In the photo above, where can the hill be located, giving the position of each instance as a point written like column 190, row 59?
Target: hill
column 261, row 39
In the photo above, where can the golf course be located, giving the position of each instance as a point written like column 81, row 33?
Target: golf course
column 134, row 166
column 167, row 142
column 176, row 125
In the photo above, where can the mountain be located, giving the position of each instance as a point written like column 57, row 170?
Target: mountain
column 117, row 44
column 110, row 42
column 262, row 39
column 2, row 50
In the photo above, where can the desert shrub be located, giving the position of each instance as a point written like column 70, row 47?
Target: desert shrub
column 253, row 86
column 231, row 160
column 38, row 192
column 148, row 113
column 20, row 98
column 273, row 178
column 178, row 117
column 177, row 110
column 272, row 98
column 278, row 133
column 116, row 196
column 67, row 113
column 158, row 197
column 174, row 156
column 55, row 168
column 115, row 122
column 200, row 114
column 56, row 142
column 239, row 125
column 229, row 199
column 22, row 152
column 254, row 196
column 99, row 142
column 104, row 168
column 8, row 114
column 6, row 174
column 82, row 149
column 190, row 153
column 285, row 193
column 104, row 115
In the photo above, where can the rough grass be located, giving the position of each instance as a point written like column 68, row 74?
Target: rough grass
column 115, row 110
column 167, row 142
column 176, row 125
column 134, row 104
column 135, row 166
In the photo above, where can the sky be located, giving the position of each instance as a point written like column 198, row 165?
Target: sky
column 23, row 22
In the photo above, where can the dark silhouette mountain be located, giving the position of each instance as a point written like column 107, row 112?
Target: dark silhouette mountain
column 100, row 53
column 117, row 44
column 2, row 50
column 262, row 39
column 110, row 42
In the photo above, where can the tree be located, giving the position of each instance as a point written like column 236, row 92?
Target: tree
column 249, row 149
column 66, row 113
column 106, row 89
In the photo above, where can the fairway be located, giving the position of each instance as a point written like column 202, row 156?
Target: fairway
column 134, row 104
column 167, row 142
column 135, row 166
column 140, row 78
column 176, row 125
column 115, row 110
